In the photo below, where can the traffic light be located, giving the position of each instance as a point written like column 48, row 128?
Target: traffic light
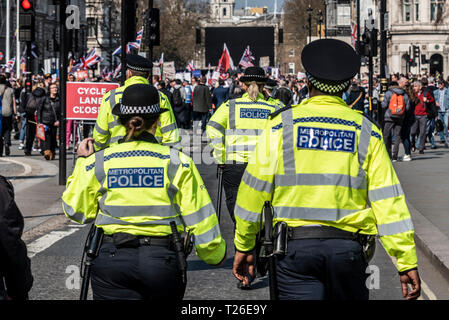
column 369, row 44
column 154, row 36
column 131, row 20
column 416, row 52
column 26, row 21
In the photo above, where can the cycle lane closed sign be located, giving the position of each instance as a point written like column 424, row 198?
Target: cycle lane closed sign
column 84, row 99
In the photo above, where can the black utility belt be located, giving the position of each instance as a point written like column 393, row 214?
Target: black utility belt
column 125, row 240
column 323, row 232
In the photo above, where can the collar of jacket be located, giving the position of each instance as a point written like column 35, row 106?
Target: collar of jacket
column 136, row 80
column 144, row 136
column 325, row 100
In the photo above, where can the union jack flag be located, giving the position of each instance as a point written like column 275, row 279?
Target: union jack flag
column 117, row 70
column 246, row 59
column 191, row 66
column 10, row 64
column 89, row 60
column 131, row 45
column 354, row 34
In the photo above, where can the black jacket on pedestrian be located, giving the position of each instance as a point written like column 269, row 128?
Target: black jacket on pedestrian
column 353, row 94
column 48, row 111
column 38, row 94
column 202, row 99
column 15, row 266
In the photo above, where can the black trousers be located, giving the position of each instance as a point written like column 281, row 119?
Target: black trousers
column 232, row 176
column 142, row 273
column 30, row 136
column 5, row 137
column 50, row 139
column 322, row 269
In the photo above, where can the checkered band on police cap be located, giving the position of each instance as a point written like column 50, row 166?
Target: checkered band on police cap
column 328, row 87
column 128, row 110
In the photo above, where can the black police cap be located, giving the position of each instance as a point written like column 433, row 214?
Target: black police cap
column 138, row 63
column 138, row 100
column 330, row 60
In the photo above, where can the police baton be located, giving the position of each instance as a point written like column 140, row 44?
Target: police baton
column 91, row 249
column 220, row 190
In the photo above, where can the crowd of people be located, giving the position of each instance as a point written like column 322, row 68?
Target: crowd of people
column 425, row 99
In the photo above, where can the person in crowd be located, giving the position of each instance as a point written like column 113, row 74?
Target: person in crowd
column 9, row 113
column 421, row 113
column 188, row 104
column 355, row 96
column 432, row 112
column 48, row 113
column 396, row 103
column 442, row 102
column 202, row 103
column 409, row 118
column 220, row 94
column 179, row 98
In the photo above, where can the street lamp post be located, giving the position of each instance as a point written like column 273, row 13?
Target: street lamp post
column 320, row 22
column 309, row 12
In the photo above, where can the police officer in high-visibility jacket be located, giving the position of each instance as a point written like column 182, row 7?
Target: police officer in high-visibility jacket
column 235, row 128
column 108, row 131
column 133, row 190
column 328, row 176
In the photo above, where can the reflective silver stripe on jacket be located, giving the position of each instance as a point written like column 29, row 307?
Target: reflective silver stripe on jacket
column 257, row 184
column 137, row 211
column 364, row 140
column 385, row 193
column 108, row 142
column 101, row 131
column 232, row 114
column 169, row 128
column 112, row 99
column 103, row 219
column 287, row 143
column 78, row 216
column 244, row 132
column 304, row 213
column 320, row 179
column 217, row 126
column 389, row 229
column 200, row 215
column 207, row 236
column 246, row 215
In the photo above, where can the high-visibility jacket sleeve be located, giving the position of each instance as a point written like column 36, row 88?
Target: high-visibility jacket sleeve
column 168, row 130
column 101, row 133
column 198, row 212
column 216, row 129
column 79, row 200
column 256, row 188
column 394, row 224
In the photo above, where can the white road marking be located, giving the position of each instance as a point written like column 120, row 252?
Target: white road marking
column 77, row 225
column 47, row 241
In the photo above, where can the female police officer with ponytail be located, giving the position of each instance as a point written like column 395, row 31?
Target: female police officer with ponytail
column 133, row 190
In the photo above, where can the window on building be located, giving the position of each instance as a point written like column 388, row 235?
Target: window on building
column 291, row 53
column 436, row 9
column 291, row 68
column 343, row 14
column 407, row 10
column 91, row 27
column 224, row 12
column 416, row 10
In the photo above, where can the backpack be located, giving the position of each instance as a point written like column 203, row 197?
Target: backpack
column 31, row 105
column 431, row 107
column 397, row 105
column 177, row 99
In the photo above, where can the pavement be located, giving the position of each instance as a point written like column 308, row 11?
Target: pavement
column 38, row 196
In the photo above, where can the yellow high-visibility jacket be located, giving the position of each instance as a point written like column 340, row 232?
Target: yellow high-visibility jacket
column 322, row 163
column 138, row 187
column 108, row 130
column 235, row 127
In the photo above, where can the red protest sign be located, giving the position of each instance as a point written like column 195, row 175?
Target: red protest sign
column 84, row 99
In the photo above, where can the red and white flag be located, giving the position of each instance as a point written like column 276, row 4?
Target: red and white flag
column 247, row 58
column 10, row 64
column 225, row 62
column 191, row 66
column 117, row 70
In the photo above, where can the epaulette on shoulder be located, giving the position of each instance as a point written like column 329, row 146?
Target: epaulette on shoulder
column 274, row 114
column 372, row 120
